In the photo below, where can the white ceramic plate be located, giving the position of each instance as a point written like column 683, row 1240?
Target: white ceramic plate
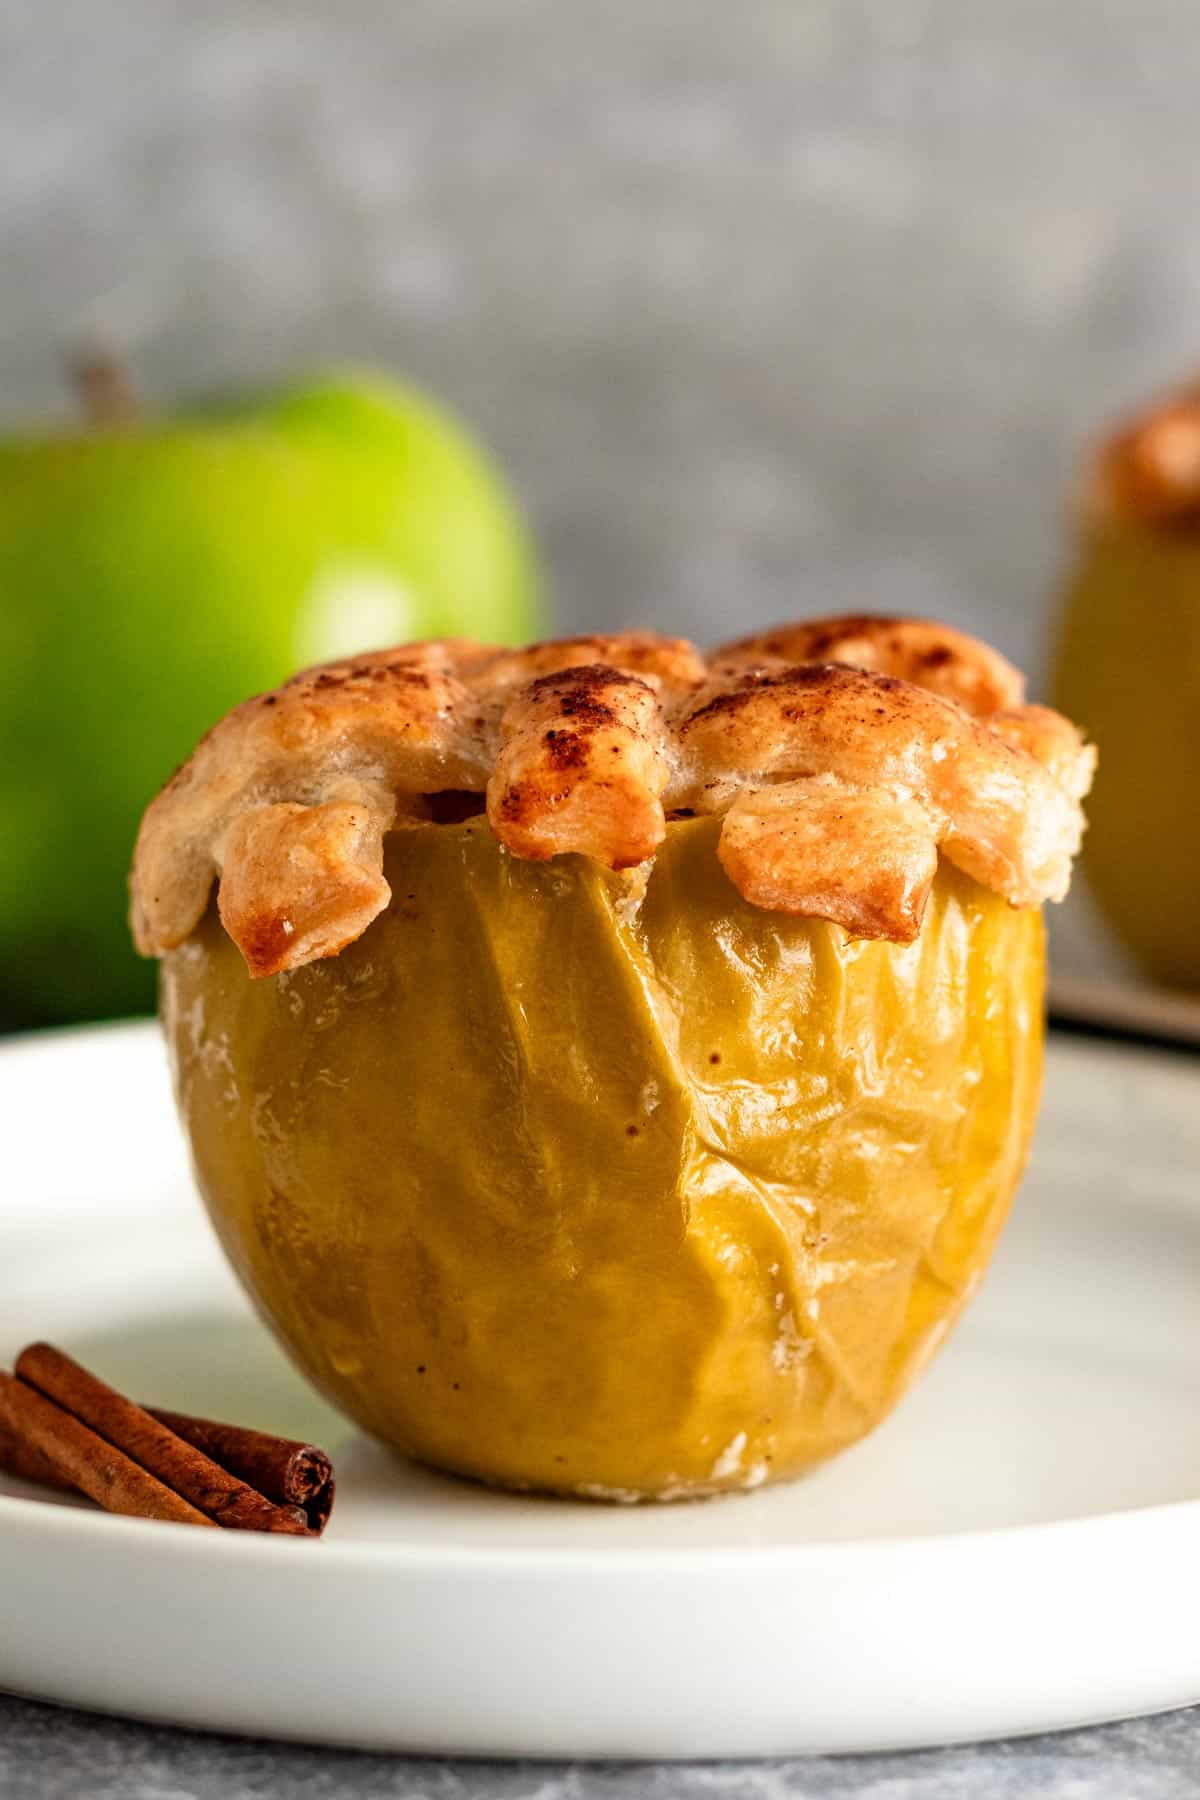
column 1018, row 1549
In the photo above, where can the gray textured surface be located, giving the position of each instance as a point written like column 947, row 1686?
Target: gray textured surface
column 767, row 307
column 51, row 1755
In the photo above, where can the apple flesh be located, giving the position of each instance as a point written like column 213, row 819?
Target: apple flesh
column 150, row 577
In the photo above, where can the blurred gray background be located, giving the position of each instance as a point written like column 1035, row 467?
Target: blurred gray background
column 768, row 308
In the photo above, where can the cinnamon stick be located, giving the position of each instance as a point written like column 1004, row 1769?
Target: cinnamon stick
column 20, row 1457
column 286, row 1471
column 84, row 1460
column 193, row 1479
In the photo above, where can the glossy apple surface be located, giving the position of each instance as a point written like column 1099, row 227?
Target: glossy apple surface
column 564, row 1183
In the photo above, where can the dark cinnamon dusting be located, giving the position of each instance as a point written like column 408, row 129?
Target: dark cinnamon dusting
column 568, row 749
column 578, row 691
column 827, row 676
column 820, row 643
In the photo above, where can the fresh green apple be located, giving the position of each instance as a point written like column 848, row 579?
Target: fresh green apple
column 151, row 575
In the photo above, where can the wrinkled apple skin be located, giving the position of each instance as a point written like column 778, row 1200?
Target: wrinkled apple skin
column 152, row 577
column 563, row 1184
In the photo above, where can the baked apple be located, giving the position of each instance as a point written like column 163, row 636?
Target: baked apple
column 608, row 1067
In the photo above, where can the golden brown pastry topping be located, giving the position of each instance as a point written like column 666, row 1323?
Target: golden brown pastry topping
column 670, row 666
column 843, row 754
column 581, row 766
column 934, row 656
column 1148, row 471
column 994, row 809
column 1053, row 740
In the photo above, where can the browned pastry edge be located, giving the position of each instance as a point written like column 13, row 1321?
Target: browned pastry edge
column 582, row 760
column 843, row 754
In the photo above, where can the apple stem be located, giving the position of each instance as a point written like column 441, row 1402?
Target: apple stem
column 104, row 389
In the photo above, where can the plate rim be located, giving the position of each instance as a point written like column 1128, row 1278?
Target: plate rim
column 41, row 1515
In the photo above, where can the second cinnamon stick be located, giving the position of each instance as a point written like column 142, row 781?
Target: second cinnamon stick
column 287, row 1471
column 202, row 1484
